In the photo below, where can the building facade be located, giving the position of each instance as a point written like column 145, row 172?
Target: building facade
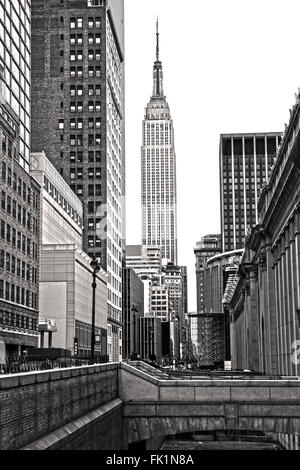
column 151, row 338
column 66, row 275
column 159, row 300
column 265, row 303
column 175, row 278
column 145, row 260
column 15, row 68
column 209, row 246
column 66, row 297
column 217, row 273
column 245, row 163
column 133, row 310
column 61, row 210
column 20, row 194
column 78, row 120
column 219, row 278
column 158, row 158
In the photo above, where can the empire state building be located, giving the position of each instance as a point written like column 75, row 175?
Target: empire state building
column 159, row 220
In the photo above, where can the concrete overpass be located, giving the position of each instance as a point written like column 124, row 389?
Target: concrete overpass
column 111, row 406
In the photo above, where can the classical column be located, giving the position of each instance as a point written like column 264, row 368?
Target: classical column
column 253, row 322
column 271, row 337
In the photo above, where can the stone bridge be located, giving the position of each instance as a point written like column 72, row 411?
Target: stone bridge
column 111, row 406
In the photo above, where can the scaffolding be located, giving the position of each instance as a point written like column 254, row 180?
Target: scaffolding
column 211, row 346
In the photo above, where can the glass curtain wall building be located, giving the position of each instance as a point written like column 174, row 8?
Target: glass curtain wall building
column 19, row 193
column 15, row 58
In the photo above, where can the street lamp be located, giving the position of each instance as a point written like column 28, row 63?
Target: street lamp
column 96, row 268
column 134, row 310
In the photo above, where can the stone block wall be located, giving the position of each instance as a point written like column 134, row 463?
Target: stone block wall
column 33, row 405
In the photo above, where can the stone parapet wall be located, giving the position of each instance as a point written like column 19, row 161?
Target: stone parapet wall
column 33, row 405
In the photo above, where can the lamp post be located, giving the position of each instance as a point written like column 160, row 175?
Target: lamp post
column 96, row 268
column 134, row 310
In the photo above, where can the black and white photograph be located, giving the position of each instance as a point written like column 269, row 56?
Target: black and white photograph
column 149, row 229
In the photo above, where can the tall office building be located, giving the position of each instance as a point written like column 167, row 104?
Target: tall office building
column 210, row 245
column 19, row 193
column 245, row 163
column 15, row 57
column 78, row 120
column 159, row 224
column 175, row 278
column 144, row 260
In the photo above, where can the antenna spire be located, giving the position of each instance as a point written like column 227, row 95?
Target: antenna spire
column 157, row 40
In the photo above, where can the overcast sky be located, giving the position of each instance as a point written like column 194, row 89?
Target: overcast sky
column 229, row 66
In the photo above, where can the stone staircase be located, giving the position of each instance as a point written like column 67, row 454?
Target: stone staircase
column 150, row 370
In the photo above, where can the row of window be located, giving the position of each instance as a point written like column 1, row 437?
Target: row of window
column 93, row 54
column 77, row 173
column 15, row 266
column 93, row 189
column 93, row 156
column 17, row 321
column 21, row 214
column 93, row 123
column 78, row 39
column 93, row 71
column 77, row 23
column 17, row 294
column 94, row 242
column 56, row 195
column 19, row 186
column 77, row 90
column 77, row 107
column 249, row 145
column 18, row 240
column 7, row 145
column 83, row 334
column 77, row 140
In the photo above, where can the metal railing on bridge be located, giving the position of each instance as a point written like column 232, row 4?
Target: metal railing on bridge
column 18, row 364
column 234, row 375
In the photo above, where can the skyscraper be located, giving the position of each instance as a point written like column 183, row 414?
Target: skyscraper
column 159, row 224
column 19, row 192
column 144, row 260
column 78, row 120
column 245, row 162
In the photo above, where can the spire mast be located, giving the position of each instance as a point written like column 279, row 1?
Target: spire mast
column 157, row 40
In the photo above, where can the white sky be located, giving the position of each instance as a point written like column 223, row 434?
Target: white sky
column 229, row 66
